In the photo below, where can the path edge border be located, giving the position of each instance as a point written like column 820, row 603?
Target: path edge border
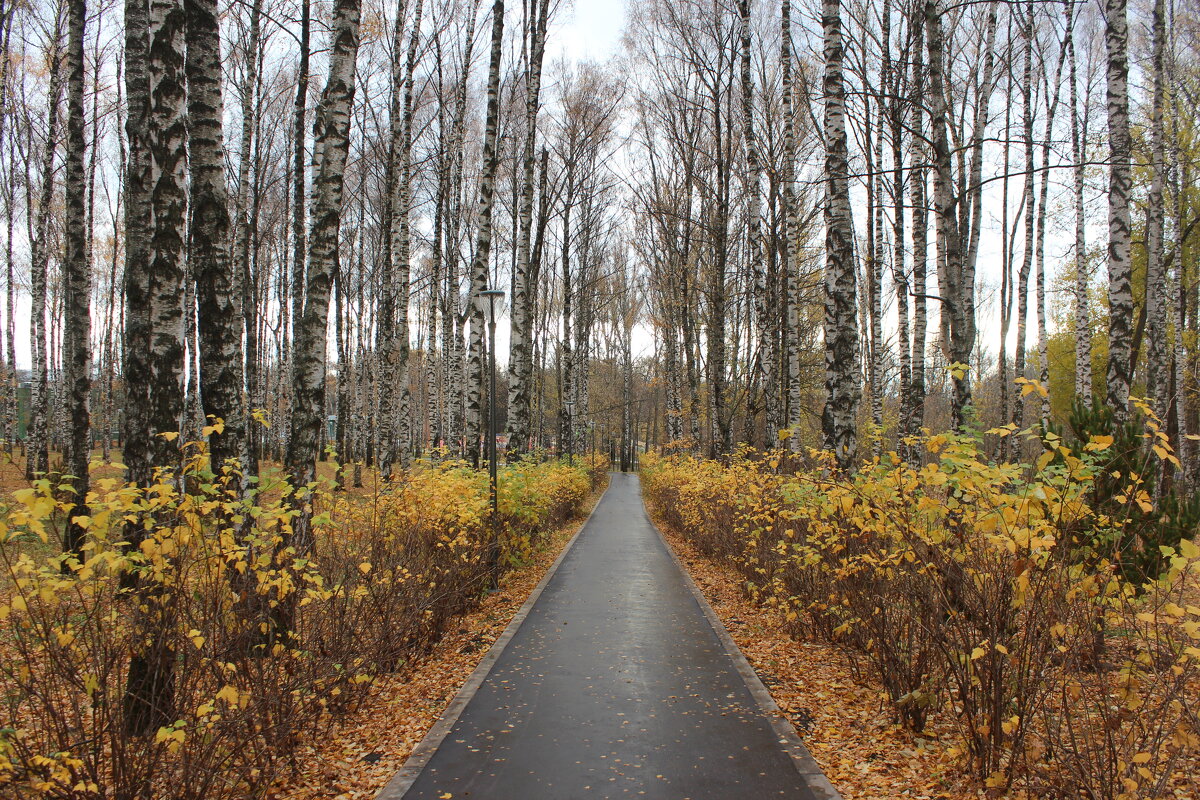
column 421, row 755
column 802, row 759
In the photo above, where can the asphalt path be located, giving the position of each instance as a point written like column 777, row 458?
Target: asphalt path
column 616, row 684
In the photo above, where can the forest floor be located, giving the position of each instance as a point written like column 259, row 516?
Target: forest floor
column 361, row 752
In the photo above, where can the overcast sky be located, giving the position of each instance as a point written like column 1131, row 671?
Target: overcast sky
column 587, row 30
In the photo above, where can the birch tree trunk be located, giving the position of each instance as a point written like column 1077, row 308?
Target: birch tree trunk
column 1030, row 208
column 433, row 386
column 332, row 130
column 520, row 357
column 386, row 340
column 37, row 450
column 136, row 343
column 1120, row 178
column 452, row 345
column 246, row 224
column 299, row 199
column 150, row 685
column 393, row 330
column 10, row 194
column 1083, row 334
column 77, row 276
column 893, row 81
column 402, row 249
column 10, row 299
column 483, row 241
column 791, row 261
column 956, row 278
column 920, row 233
column 1186, row 448
column 340, row 340
column 567, row 382
column 764, row 363
column 875, row 276
column 217, row 315
column 167, row 152
column 1158, row 361
column 842, row 377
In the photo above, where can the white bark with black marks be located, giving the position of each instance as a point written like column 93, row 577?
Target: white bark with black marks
column 920, row 240
column 483, row 241
column 520, row 359
column 332, row 143
column 842, row 376
column 1120, row 180
column 167, row 154
column 791, row 261
column 1158, row 358
column 1083, row 333
column 212, row 265
column 77, row 281
column 37, row 453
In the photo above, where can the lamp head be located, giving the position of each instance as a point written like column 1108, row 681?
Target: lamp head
column 490, row 303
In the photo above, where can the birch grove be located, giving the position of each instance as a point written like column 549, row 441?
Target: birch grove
column 259, row 232
column 245, row 246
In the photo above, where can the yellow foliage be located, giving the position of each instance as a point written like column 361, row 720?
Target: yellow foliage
column 265, row 641
column 959, row 582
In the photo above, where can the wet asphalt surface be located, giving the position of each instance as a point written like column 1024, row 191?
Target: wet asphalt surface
column 614, row 686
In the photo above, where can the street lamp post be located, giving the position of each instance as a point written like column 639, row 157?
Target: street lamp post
column 570, row 407
column 592, row 428
column 490, row 302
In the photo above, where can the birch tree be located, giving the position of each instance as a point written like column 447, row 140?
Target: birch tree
column 520, row 359
column 37, row 447
column 1120, row 290
column 220, row 331
column 394, row 330
column 77, row 274
column 246, row 225
column 332, row 129
column 791, row 260
column 1158, row 360
column 957, row 205
column 753, row 180
column 150, row 683
column 483, row 240
column 1083, row 334
column 842, row 377
column 920, row 233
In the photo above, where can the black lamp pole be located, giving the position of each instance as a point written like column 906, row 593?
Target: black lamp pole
column 493, row 298
column 570, row 404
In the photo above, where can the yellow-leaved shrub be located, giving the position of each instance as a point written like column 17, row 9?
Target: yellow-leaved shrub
column 208, row 578
column 961, row 585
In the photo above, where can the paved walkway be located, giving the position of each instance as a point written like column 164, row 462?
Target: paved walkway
column 616, row 685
